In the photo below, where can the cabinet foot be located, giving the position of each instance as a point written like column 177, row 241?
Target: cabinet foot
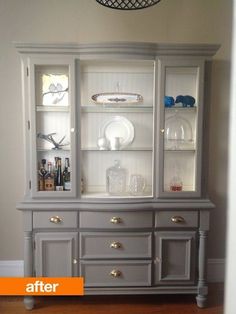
column 201, row 300
column 29, row 303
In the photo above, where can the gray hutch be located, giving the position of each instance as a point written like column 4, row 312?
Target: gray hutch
column 132, row 216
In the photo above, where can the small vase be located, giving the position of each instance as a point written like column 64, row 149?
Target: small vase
column 103, row 143
column 115, row 143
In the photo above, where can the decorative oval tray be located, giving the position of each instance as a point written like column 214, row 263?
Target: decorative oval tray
column 116, row 98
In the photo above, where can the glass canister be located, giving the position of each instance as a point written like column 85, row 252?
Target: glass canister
column 116, row 179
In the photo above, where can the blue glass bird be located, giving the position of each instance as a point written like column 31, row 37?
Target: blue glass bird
column 169, row 101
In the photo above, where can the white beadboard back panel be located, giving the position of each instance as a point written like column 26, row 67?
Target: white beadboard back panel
column 40, row 70
column 181, row 81
column 127, row 77
column 95, row 164
column 182, row 164
column 92, row 124
column 50, row 155
column 53, row 122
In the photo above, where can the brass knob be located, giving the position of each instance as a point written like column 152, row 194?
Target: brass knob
column 177, row 219
column 55, row 219
column 116, row 220
column 75, row 261
column 162, row 130
column 115, row 245
column 115, row 273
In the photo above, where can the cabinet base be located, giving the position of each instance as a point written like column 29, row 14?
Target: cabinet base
column 201, row 301
column 29, row 303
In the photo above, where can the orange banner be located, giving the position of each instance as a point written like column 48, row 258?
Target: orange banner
column 42, row 286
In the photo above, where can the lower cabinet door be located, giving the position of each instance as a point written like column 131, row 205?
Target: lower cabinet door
column 175, row 257
column 56, row 254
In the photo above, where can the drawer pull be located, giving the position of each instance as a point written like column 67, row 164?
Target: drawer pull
column 177, row 219
column 115, row 273
column 56, row 220
column 116, row 220
column 75, row 261
column 115, row 245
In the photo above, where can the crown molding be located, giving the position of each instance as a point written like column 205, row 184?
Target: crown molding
column 150, row 50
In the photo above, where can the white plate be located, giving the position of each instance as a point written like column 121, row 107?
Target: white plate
column 118, row 126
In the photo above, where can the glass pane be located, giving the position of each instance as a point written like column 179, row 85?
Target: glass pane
column 53, row 129
column 117, row 134
column 55, row 89
column 181, row 81
column 52, row 86
column 181, row 109
column 179, row 170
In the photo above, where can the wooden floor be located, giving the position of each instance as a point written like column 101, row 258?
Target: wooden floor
column 153, row 304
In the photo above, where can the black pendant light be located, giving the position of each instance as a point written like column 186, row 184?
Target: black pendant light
column 128, row 4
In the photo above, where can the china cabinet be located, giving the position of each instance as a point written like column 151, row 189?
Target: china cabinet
column 114, row 166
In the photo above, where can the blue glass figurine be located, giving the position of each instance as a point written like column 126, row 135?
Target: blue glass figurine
column 187, row 101
column 169, row 101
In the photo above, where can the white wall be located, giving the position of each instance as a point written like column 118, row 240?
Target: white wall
column 186, row 21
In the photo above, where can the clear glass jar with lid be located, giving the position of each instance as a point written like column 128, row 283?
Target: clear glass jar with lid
column 116, row 179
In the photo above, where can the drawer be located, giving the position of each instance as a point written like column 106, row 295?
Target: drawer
column 119, row 273
column 177, row 219
column 55, row 219
column 115, row 220
column 115, row 245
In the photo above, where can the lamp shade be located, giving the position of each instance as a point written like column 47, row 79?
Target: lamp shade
column 128, row 4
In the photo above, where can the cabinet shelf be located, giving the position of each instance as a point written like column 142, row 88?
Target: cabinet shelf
column 180, row 150
column 53, row 150
column 186, row 188
column 107, row 196
column 95, row 149
column 117, row 109
column 52, row 108
column 187, row 109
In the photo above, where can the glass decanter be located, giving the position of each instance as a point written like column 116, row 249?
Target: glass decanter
column 116, row 179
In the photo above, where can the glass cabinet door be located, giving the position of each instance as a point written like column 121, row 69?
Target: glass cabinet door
column 116, row 128
column 181, row 106
column 52, row 128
